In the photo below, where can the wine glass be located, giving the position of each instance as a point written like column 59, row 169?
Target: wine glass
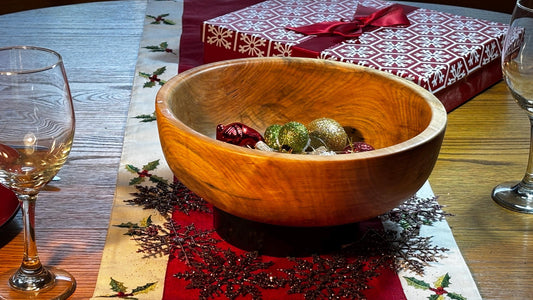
column 36, row 133
column 517, row 65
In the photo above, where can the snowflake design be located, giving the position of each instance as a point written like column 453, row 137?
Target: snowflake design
column 326, row 7
column 320, row 17
column 457, row 71
column 252, row 44
column 282, row 49
column 253, row 25
column 416, row 211
column 467, row 37
column 426, row 16
column 496, row 31
column 364, row 39
column 231, row 275
column 433, row 42
column 491, row 53
column 215, row 271
column 329, row 278
column 258, row 14
column 433, row 55
column 221, row 37
column 165, row 198
column 298, row 10
column 356, row 51
column 289, row 21
column 432, row 71
column 467, row 24
column 473, row 52
column 425, row 29
column 400, row 61
column 398, row 47
column 281, row 34
column 395, row 34
column 225, row 19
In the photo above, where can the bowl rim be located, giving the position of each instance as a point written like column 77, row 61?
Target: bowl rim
column 433, row 129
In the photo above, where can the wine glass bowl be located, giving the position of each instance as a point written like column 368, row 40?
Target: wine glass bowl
column 36, row 133
column 517, row 67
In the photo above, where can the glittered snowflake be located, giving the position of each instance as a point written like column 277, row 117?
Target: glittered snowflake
column 165, row 198
column 324, row 277
column 225, row 273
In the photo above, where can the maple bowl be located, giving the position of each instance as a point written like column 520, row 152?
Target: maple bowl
column 404, row 122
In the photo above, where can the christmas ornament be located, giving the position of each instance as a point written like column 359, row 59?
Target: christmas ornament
column 322, row 150
column 263, row 147
column 293, row 137
column 238, row 134
column 357, row 147
column 271, row 136
column 327, row 132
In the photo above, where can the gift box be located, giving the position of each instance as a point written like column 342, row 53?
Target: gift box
column 452, row 56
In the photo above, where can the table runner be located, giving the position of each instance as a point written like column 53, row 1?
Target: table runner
column 409, row 253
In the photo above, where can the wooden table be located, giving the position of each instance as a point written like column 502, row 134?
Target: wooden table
column 486, row 142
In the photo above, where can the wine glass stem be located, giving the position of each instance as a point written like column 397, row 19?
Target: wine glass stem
column 31, row 260
column 31, row 275
column 527, row 181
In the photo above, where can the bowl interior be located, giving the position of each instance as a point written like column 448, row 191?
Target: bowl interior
column 381, row 107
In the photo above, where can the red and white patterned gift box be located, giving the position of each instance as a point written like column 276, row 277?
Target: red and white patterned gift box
column 452, row 56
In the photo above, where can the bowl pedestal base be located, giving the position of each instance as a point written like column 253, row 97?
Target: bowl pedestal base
column 283, row 241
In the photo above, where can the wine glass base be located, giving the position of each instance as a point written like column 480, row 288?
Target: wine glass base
column 64, row 286
column 514, row 196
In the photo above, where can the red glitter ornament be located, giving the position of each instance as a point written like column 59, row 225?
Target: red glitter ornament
column 357, row 147
column 238, row 134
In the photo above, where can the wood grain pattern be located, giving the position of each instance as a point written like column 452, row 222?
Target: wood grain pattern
column 486, row 141
column 99, row 44
column 404, row 122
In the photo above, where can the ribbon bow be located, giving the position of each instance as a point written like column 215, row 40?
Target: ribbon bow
column 390, row 16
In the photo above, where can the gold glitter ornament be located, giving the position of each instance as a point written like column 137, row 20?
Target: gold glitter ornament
column 327, row 132
column 293, row 137
column 271, row 136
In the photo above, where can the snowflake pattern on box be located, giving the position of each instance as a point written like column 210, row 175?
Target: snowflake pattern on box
column 437, row 50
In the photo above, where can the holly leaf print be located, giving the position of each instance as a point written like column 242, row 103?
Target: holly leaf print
column 456, row 296
column 144, row 288
column 145, row 118
column 146, row 221
column 163, row 47
column 443, row 281
column 144, row 174
column 136, row 180
column 419, row 284
column 151, row 165
column 132, row 169
column 161, row 18
column 117, row 286
column 160, row 71
column 156, row 179
column 121, row 290
column 128, row 225
column 153, row 78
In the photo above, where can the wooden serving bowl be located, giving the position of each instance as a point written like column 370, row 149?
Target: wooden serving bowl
column 404, row 122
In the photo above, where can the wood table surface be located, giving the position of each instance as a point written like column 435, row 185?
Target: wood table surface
column 486, row 142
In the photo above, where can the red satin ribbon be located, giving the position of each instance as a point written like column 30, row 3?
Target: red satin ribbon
column 390, row 16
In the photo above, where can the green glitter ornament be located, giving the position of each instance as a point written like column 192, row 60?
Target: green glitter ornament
column 293, row 137
column 327, row 132
column 271, row 136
